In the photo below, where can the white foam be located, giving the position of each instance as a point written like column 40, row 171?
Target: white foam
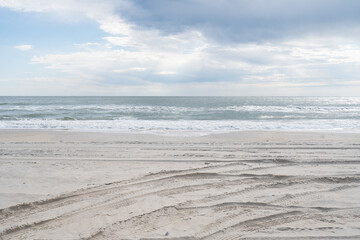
column 182, row 127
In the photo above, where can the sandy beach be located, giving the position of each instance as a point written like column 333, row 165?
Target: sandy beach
column 244, row 185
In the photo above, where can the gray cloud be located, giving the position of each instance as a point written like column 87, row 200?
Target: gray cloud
column 244, row 20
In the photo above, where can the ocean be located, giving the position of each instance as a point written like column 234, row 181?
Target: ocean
column 181, row 115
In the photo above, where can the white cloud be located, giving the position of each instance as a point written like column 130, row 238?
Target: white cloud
column 283, row 63
column 166, row 73
column 100, row 11
column 144, row 52
column 25, row 47
column 139, row 69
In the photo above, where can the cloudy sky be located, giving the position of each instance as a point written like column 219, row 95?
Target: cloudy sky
column 180, row 47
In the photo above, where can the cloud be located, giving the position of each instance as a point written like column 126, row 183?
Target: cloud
column 180, row 59
column 210, row 47
column 103, row 12
column 25, row 47
column 247, row 21
column 223, row 21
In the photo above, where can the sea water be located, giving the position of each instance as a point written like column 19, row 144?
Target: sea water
column 181, row 115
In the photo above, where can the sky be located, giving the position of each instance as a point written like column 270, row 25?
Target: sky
column 180, row 48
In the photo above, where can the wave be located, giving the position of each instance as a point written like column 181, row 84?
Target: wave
column 101, row 108
column 68, row 119
column 290, row 109
column 14, row 104
column 8, row 118
column 183, row 127
column 173, row 109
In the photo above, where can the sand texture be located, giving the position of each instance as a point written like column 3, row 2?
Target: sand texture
column 246, row 185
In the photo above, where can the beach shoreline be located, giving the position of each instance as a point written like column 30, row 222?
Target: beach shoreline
column 248, row 184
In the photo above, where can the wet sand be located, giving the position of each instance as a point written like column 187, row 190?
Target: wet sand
column 245, row 185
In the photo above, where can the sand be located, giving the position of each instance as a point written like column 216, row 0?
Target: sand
column 245, row 185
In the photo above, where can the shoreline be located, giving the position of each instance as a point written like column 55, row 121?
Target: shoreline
column 248, row 184
column 204, row 134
